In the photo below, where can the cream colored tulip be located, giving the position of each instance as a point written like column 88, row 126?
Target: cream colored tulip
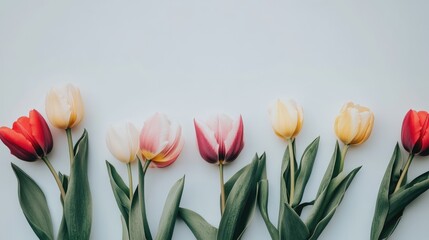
column 64, row 107
column 123, row 142
column 286, row 119
column 354, row 124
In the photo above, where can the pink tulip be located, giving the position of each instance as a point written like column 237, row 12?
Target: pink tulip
column 220, row 139
column 160, row 141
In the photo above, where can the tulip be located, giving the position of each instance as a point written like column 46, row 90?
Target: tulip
column 220, row 139
column 123, row 142
column 415, row 132
column 64, row 107
column 160, row 141
column 29, row 139
column 286, row 119
column 354, row 124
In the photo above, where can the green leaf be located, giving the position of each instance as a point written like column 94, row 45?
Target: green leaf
column 382, row 204
column 169, row 214
column 236, row 205
column 33, row 205
column 135, row 223
column 142, row 204
column 298, row 209
column 336, row 191
column 332, row 171
column 304, row 170
column 201, row 229
column 406, row 194
column 285, row 181
column 125, row 234
column 120, row 191
column 293, row 227
column 263, row 204
column 77, row 204
column 63, row 233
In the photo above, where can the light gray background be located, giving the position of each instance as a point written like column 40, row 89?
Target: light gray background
column 191, row 58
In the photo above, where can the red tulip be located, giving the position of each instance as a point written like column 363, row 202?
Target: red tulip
column 415, row 132
column 220, row 139
column 30, row 137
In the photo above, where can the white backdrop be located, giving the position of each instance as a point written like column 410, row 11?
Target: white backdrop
column 191, row 58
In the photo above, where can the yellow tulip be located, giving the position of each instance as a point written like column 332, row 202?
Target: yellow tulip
column 286, row 119
column 354, row 124
column 64, row 106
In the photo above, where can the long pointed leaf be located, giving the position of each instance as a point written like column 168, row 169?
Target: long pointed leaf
column 169, row 214
column 120, row 191
column 304, row 170
column 382, row 204
column 332, row 171
column 201, row 229
column 77, row 204
column 33, row 205
column 136, row 229
column 125, row 234
column 293, row 227
column 142, row 204
column 63, row 233
column 235, row 203
column 285, row 182
column 263, row 204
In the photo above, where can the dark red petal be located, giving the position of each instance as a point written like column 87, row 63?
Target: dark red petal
column 237, row 144
column 40, row 131
column 23, row 126
column 206, row 150
column 424, row 149
column 411, row 130
column 18, row 145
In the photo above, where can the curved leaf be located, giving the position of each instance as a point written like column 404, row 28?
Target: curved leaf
column 169, row 214
column 236, row 203
column 285, row 181
column 77, row 204
column 293, row 227
column 63, row 233
column 135, row 224
column 120, row 191
column 142, row 205
column 304, row 170
column 33, row 205
column 125, row 234
column 263, row 204
column 201, row 229
column 332, row 171
column 382, row 204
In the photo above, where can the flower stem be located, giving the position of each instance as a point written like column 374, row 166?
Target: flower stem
column 292, row 171
column 130, row 179
column 57, row 178
column 146, row 165
column 222, row 187
column 404, row 172
column 343, row 156
column 70, row 143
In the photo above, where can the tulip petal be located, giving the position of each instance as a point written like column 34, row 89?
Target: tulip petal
column 154, row 135
column 18, row 145
column 58, row 109
column 23, row 126
column 424, row 151
column 346, row 124
column 76, row 105
column 173, row 149
column 234, row 142
column 207, row 142
column 40, row 131
column 411, row 130
column 122, row 141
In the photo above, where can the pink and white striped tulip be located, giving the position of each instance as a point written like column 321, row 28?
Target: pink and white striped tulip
column 220, row 138
column 160, row 141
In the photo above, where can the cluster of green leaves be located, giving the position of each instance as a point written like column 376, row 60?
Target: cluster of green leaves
column 331, row 192
column 241, row 196
column 134, row 220
column 390, row 204
column 77, row 206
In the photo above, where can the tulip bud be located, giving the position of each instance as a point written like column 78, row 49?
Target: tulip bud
column 160, row 141
column 123, row 142
column 286, row 119
column 220, row 139
column 30, row 137
column 415, row 132
column 354, row 124
column 64, row 107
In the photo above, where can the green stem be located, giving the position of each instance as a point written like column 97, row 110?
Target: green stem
column 70, row 143
column 130, row 179
column 343, row 156
column 142, row 199
column 292, row 171
column 222, row 187
column 146, row 165
column 404, row 172
column 57, row 178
